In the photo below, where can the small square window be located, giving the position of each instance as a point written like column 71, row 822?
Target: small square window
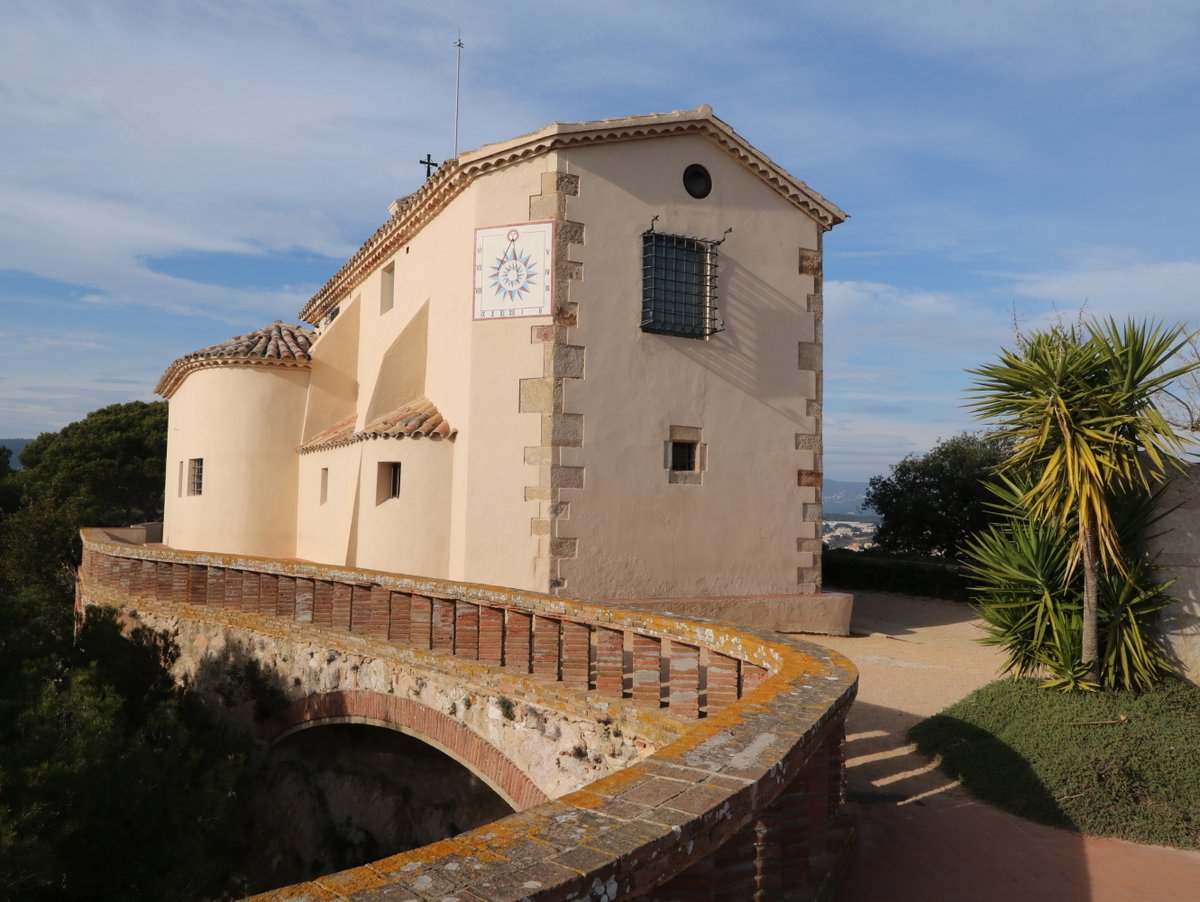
column 196, row 476
column 683, row 456
column 679, row 286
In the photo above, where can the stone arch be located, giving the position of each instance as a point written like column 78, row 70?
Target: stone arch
column 406, row 716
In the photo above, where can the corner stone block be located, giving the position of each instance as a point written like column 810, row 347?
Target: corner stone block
column 564, row 548
column 564, row 360
column 554, row 182
column 563, row 430
column 809, row 355
column 546, row 206
column 539, row 395
column 566, row 477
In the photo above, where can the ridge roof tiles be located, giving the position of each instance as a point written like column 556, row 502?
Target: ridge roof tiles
column 281, row 344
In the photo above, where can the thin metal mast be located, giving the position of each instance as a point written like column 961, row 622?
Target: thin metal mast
column 458, row 46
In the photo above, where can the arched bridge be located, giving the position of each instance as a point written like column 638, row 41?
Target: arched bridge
column 648, row 755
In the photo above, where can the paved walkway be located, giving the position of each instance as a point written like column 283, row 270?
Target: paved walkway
column 920, row 835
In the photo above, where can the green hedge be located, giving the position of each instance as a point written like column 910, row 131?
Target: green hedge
column 845, row 569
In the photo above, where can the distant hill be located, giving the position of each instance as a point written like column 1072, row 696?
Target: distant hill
column 841, row 497
column 17, row 445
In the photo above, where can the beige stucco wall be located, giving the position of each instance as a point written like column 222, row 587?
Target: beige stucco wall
column 409, row 534
column 738, row 532
column 1177, row 551
column 470, row 520
column 245, row 423
column 325, row 531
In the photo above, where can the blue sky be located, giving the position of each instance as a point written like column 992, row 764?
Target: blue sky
column 174, row 173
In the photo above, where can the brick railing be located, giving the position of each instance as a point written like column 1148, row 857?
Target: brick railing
column 744, row 802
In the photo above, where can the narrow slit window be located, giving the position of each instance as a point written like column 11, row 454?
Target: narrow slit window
column 387, row 289
column 388, row 484
column 324, row 484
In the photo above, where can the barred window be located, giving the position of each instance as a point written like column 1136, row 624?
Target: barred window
column 679, row 285
column 196, row 476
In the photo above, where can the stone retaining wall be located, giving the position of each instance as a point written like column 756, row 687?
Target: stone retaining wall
column 741, row 798
column 1176, row 549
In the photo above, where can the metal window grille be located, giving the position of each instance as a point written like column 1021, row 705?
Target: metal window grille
column 196, row 476
column 679, row 286
column 683, row 456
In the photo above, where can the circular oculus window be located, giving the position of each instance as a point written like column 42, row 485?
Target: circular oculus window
column 697, row 181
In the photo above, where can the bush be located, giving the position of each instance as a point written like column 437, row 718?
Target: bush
column 881, row 572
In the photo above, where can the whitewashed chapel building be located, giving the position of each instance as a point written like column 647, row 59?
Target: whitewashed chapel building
column 584, row 361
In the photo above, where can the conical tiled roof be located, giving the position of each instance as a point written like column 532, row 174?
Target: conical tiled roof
column 279, row 344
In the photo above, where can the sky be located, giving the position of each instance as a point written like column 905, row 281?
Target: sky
column 175, row 173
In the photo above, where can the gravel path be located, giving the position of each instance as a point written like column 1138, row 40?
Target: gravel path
column 920, row 835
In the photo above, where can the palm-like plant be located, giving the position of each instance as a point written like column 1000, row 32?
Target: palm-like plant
column 1031, row 601
column 1079, row 406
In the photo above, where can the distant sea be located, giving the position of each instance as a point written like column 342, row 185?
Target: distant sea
column 840, row 497
column 17, row 445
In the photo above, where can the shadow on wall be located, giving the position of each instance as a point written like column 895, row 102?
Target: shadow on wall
column 753, row 352
column 333, row 796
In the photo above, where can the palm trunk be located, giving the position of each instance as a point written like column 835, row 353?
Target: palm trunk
column 1090, row 603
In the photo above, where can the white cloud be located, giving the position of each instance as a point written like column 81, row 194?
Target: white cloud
column 1031, row 40
column 1168, row 291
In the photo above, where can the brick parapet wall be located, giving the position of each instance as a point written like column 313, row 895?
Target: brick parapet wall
column 750, row 772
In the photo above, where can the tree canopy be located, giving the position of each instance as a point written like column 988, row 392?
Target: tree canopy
column 932, row 503
column 109, row 466
column 115, row 783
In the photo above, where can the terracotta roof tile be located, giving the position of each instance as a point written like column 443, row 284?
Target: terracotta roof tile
column 281, row 344
column 411, row 213
column 414, row 419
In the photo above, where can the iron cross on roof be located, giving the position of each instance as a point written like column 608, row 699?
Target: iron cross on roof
column 428, row 164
